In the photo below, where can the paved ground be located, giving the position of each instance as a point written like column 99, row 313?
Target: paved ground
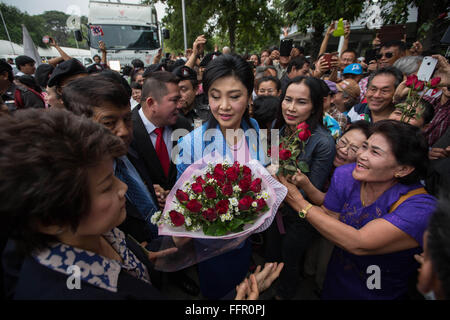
column 307, row 289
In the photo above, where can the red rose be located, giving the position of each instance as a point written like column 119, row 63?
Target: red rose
column 302, row 126
column 244, row 183
column 442, row 15
column 209, row 215
column 256, row 185
column 197, row 188
column 285, row 154
column 246, row 170
column 419, row 86
column 304, row 134
column 210, row 192
column 261, row 204
column 219, row 174
column 200, row 180
column 222, row 206
column 194, row 206
column 209, row 176
column 227, row 190
column 232, row 174
column 177, row 218
column 411, row 81
column 182, row 196
column 245, row 203
column 434, row 82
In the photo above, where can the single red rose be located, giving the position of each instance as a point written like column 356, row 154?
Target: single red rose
column 256, row 185
column 227, row 189
column 411, row 81
column 434, row 82
column 419, row 86
column 200, row 180
column 261, row 204
column 209, row 176
column 176, row 218
column 246, row 170
column 219, row 174
column 304, row 135
column 285, row 154
column 197, row 188
column 182, row 196
column 245, row 203
column 244, row 183
column 442, row 15
column 210, row 192
column 209, row 214
column 302, row 126
column 194, row 206
column 222, row 206
column 232, row 174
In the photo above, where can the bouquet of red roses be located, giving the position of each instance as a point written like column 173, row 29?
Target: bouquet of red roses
column 290, row 148
column 410, row 106
column 221, row 200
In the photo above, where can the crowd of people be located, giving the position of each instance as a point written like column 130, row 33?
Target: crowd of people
column 88, row 156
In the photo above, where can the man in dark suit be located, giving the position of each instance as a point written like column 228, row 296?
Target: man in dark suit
column 158, row 111
column 156, row 129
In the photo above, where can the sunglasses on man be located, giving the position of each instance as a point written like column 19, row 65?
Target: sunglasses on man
column 388, row 55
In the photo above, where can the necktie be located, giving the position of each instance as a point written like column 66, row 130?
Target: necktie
column 137, row 196
column 161, row 150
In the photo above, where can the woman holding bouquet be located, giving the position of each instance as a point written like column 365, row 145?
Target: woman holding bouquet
column 302, row 104
column 230, row 132
column 375, row 212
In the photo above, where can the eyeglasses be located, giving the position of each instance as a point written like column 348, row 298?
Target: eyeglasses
column 387, row 55
column 351, row 148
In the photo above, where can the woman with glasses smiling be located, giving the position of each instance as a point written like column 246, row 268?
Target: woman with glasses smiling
column 347, row 147
column 375, row 212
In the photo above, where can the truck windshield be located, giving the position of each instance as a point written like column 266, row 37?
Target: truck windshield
column 126, row 37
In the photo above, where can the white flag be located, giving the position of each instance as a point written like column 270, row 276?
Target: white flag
column 28, row 47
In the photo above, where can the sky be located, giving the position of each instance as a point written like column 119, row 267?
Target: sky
column 34, row 7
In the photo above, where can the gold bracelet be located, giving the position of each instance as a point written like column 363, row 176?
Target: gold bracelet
column 302, row 213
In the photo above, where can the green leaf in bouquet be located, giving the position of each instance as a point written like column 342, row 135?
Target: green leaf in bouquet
column 291, row 168
column 303, row 166
column 296, row 153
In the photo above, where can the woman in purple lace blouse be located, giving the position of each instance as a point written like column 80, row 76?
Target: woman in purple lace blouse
column 374, row 253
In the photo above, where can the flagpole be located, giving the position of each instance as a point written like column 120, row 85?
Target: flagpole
column 7, row 33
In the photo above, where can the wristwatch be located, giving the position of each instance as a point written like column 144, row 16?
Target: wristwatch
column 302, row 213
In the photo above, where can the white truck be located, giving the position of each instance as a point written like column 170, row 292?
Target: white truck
column 129, row 31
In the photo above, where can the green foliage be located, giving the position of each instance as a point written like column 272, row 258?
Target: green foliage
column 240, row 24
column 52, row 23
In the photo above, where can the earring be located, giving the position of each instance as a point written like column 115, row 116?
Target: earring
column 397, row 175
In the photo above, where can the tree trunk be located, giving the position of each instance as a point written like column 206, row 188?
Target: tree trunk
column 231, row 21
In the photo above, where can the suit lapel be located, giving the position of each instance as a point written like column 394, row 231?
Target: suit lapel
column 143, row 145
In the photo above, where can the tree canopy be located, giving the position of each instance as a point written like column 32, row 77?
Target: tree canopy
column 52, row 23
column 242, row 25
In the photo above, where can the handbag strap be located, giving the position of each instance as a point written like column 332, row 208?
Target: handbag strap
column 404, row 197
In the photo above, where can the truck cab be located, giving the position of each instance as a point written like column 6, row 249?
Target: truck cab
column 129, row 31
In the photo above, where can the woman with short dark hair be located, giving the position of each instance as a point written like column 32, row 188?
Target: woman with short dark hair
column 228, row 83
column 375, row 212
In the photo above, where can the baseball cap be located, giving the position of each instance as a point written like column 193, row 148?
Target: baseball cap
column 332, row 86
column 349, row 86
column 185, row 73
column 66, row 69
column 354, row 68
